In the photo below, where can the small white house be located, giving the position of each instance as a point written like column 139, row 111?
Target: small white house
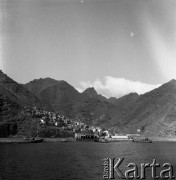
column 138, row 131
column 42, row 121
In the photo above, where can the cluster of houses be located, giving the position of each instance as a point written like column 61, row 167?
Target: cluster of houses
column 49, row 118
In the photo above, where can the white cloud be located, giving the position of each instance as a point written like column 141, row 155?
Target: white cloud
column 79, row 90
column 117, row 87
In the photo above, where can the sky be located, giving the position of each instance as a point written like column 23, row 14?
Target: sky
column 116, row 46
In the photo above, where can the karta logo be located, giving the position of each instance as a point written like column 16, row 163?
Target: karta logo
column 112, row 169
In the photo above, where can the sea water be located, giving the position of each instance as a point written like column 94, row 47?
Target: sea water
column 78, row 160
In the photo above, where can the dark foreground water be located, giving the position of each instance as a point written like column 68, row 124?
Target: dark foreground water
column 78, row 160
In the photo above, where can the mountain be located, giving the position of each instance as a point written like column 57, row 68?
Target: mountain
column 13, row 99
column 37, row 85
column 112, row 100
column 91, row 93
column 88, row 106
column 16, row 92
column 65, row 99
column 153, row 112
column 59, row 95
column 130, row 98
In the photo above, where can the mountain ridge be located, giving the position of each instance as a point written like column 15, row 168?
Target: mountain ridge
column 154, row 112
column 16, row 92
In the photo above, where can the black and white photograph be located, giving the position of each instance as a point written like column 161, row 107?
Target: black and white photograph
column 87, row 89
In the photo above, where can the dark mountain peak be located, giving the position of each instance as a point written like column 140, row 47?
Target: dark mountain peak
column 16, row 93
column 170, row 84
column 4, row 78
column 131, row 97
column 133, row 94
column 37, row 85
column 112, row 98
column 91, row 93
column 59, row 95
column 1, row 72
column 169, row 87
column 173, row 81
column 43, row 80
column 91, row 90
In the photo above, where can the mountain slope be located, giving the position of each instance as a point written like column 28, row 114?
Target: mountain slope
column 91, row 93
column 59, row 95
column 37, row 85
column 65, row 99
column 154, row 112
column 16, row 92
column 13, row 98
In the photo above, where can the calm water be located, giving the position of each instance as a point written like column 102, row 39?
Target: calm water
column 77, row 160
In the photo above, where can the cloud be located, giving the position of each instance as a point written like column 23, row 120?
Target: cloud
column 117, row 87
column 79, row 89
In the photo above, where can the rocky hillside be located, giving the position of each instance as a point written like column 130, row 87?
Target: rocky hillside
column 59, row 95
column 154, row 113
column 16, row 92
column 88, row 106
column 13, row 98
column 91, row 93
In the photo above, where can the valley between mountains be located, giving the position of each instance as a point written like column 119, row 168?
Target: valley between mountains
column 154, row 112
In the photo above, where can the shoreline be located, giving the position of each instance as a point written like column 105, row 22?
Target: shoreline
column 163, row 139
column 71, row 139
column 18, row 140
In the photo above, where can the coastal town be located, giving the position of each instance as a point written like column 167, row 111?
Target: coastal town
column 54, row 127
column 52, row 119
column 77, row 129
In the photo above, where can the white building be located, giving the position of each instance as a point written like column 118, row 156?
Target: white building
column 119, row 137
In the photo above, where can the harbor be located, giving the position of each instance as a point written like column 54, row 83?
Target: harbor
column 78, row 137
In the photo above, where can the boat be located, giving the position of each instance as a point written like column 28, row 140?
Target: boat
column 102, row 140
column 145, row 140
column 30, row 140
